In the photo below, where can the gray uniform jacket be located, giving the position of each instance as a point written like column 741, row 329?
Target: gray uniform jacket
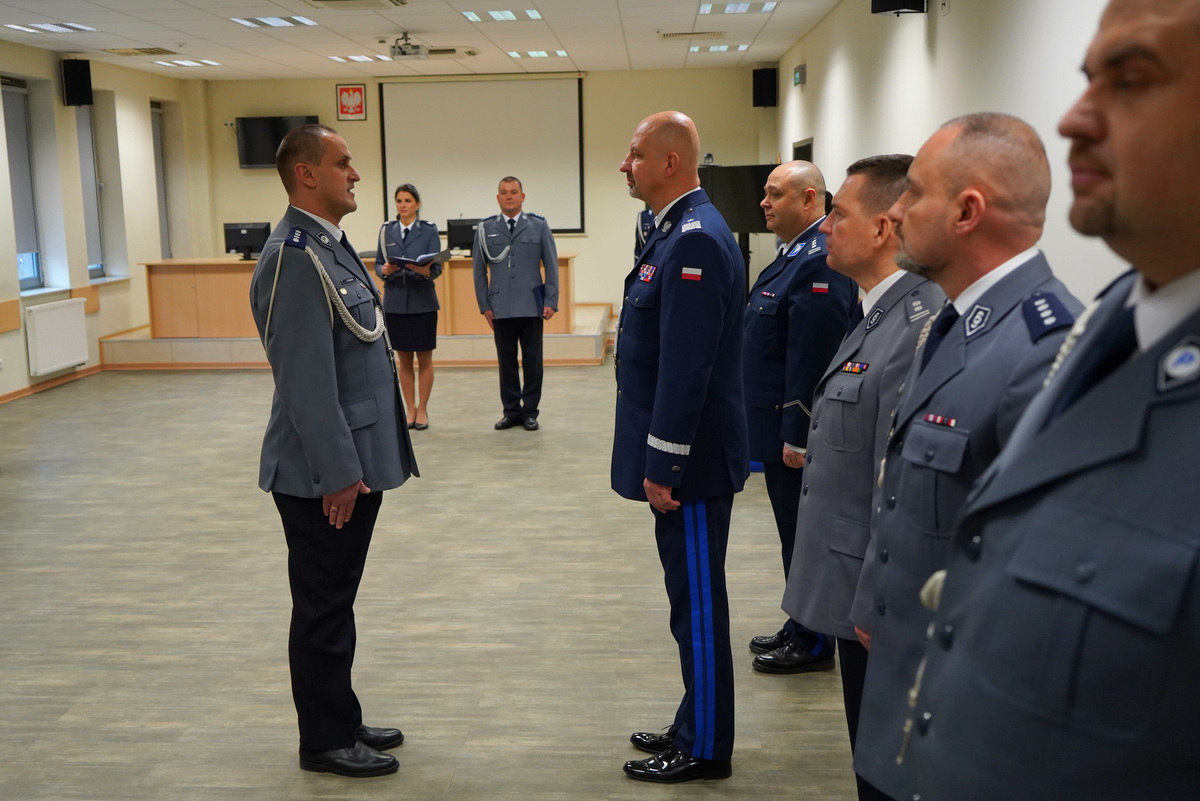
column 336, row 416
column 953, row 417
column 1066, row 644
column 406, row 291
column 507, row 275
column 851, row 417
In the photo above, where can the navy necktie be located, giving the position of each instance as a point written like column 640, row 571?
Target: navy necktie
column 1112, row 348
column 404, row 235
column 512, row 224
column 856, row 317
column 941, row 326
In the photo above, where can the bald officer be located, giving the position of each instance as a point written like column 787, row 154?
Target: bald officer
column 337, row 438
column 969, row 220
column 1062, row 663
column 796, row 316
column 680, row 433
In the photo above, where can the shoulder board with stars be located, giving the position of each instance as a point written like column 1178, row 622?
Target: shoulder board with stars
column 917, row 310
column 1044, row 314
column 297, row 238
column 690, row 225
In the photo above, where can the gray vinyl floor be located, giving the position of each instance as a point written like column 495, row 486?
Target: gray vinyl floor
column 512, row 619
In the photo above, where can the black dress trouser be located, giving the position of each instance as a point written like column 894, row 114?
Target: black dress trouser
column 325, row 566
column 527, row 332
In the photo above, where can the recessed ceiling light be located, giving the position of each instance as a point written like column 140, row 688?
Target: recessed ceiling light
column 245, row 22
column 743, row 47
column 694, row 49
column 305, row 21
column 560, row 53
column 273, row 22
column 538, row 54
column 382, row 57
column 165, row 63
column 769, row 7
column 361, row 59
column 502, row 16
column 706, row 8
column 514, row 54
column 533, row 13
column 280, row 22
column 717, row 48
column 50, row 27
column 471, row 15
column 183, row 62
column 210, row 63
column 22, row 28
column 737, row 8
column 338, row 59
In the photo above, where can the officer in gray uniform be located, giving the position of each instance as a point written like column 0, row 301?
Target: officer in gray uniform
column 515, row 297
column 335, row 441
column 979, row 364
column 851, row 416
column 1064, row 650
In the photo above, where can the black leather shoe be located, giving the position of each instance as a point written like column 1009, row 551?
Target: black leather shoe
column 357, row 761
column 768, row 643
column 791, row 658
column 420, row 426
column 530, row 423
column 653, row 742
column 673, row 766
column 507, row 422
column 378, row 738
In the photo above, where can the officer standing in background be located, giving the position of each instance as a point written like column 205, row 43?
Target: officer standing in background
column 796, row 317
column 335, row 441
column 680, row 432
column 1064, row 650
column 515, row 297
column 969, row 220
column 643, row 228
column 851, row 417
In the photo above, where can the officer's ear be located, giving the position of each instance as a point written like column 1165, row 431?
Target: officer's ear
column 672, row 164
column 304, row 175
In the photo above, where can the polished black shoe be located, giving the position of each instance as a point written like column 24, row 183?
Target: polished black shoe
column 768, row 643
column 530, row 423
column 357, row 761
column 653, row 742
column 379, row 738
column 420, row 426
column 791, row 658
column 507, row 422
column 673, row 766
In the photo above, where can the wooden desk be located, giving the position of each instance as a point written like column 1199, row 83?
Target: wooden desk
column 460, row 312
column 200, row 297
column 211, row 298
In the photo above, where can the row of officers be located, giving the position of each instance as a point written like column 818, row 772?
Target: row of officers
column 515, row 268
column 980, row 486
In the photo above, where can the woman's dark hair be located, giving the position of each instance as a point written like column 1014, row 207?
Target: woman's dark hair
column 410, row 189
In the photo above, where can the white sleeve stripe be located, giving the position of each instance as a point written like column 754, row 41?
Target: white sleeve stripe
column 677, row 448
column 800, row 404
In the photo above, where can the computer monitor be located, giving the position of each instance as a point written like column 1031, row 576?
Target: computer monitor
column 460, row 233
column 246, row 238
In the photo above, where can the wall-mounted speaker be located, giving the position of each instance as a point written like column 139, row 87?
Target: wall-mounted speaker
column 898, row 6
column 766, row 88
column 77, row 82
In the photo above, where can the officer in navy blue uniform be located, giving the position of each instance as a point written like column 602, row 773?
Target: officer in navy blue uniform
column 796, row 316
column 680, row 433
column 969, row 220
column 1064, row 650
column 644, row 227
column 335, row 441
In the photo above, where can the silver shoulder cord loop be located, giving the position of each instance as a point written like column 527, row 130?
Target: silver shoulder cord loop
column 1068, row 344
column 483, row 246
column 333, row 299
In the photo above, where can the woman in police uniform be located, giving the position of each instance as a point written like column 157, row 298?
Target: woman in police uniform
column 409, row 299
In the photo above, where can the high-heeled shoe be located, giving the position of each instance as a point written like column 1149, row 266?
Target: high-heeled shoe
column 421, row 426
column 411, row 425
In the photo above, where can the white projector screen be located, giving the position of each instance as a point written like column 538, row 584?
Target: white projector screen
column 455, row 140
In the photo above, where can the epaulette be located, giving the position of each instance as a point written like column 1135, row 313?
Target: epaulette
column 1120, row 278
column 297, row 238
column 531, row 214
column 1044, row 314
column 426, row 222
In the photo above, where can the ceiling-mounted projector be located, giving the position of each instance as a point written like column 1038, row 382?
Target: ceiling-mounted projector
column 404, row 48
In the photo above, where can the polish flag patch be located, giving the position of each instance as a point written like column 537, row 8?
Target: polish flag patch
column 821, row 287
column 693, row 274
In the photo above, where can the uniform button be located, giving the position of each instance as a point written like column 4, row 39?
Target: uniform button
column 616, row 362
column 890, row 502
column 923, row 721
column 808, row 459
column 973, row 548
column 675, row 468
column 618, row 393
column 760, row 308
column 316, row 479
column 1085, row 572
column 620, row 329
column 881, row 607
column 776, row 407
column 805, row 490
column 945, row 636
column 929, row 455
column 814, row 425
column 883, row 556
column 839, row 392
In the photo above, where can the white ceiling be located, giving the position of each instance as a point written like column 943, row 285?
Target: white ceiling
column 596, row 34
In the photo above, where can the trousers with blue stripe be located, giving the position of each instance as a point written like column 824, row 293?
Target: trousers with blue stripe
column 692, row 541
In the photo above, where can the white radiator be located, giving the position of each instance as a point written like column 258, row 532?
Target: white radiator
column 57, row 336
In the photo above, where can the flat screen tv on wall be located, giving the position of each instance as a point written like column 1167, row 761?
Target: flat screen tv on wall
column 258, row 138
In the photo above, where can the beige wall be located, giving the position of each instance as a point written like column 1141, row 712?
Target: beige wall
column 126, row 168
column 614, row 102
column 882, row 84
